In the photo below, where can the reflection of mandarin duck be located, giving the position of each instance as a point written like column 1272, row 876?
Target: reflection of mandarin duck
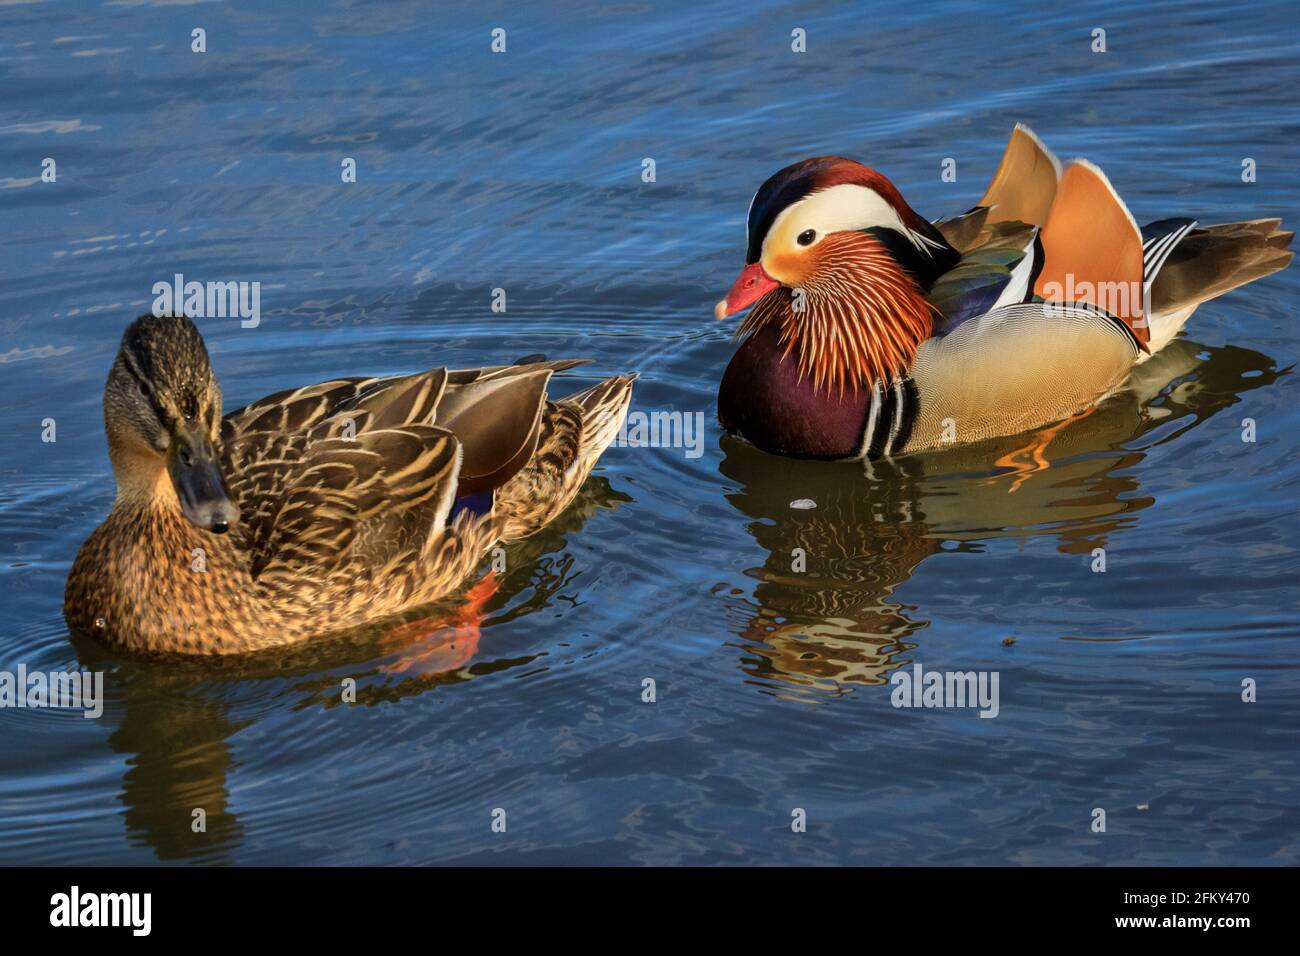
column 316, row 509
column 876, row 333
column 825, row 615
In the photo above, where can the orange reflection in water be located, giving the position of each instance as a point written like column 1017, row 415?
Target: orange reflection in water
column 442, row 642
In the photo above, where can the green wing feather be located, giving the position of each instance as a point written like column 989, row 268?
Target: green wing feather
column 974, row 283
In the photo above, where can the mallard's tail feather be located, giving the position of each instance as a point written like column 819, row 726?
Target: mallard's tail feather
column 604, row 408
column 575, row 431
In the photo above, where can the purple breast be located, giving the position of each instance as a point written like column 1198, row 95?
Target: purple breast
column 765, row 400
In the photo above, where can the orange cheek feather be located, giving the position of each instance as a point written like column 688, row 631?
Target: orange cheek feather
column 791, row 268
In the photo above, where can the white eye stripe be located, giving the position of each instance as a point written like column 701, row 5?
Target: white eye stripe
column 842, row 208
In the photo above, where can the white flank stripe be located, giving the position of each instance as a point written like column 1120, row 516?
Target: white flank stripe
column 898, row 418
column 871, row 421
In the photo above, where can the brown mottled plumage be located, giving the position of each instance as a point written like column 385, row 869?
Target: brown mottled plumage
column 343, row 493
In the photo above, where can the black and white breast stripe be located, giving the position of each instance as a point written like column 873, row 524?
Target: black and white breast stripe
column 889, row 419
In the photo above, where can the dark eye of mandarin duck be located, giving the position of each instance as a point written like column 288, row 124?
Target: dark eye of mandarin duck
column 806, row 237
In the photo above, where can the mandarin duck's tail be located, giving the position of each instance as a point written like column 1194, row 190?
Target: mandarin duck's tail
column 1184, row 266
column 1090, row 241
column 1213, row 260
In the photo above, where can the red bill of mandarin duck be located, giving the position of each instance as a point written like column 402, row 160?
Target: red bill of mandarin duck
column 874, row 332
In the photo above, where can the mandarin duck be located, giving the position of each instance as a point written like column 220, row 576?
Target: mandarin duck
column 876, row 333
column 320, row 508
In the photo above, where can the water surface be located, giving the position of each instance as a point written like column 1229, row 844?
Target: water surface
column 523, row 171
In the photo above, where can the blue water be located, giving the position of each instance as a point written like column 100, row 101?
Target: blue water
column 523, row 171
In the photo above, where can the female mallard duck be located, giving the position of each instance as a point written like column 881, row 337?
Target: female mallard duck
column 876, row 333
column 320, row 508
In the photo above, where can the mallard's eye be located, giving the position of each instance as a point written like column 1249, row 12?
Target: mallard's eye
column 144, row 389
column 806, row 237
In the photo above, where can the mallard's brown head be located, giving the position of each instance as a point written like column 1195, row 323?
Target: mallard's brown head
column 162, row 412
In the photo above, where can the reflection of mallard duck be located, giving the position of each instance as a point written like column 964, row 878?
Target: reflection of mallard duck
column 174, row 720
column 876, row 333
column 345, row 502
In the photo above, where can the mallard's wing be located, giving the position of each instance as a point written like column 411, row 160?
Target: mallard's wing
column 496, row 413
column 380, row 498
column 467, row 376
column 385, row 403
column 364, row 403
column 263, row 442
column 340, row 445
column 292, row 410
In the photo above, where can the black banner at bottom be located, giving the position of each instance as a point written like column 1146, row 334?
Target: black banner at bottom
column 210, row 905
